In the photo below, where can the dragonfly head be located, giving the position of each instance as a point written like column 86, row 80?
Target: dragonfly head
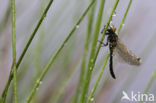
column 111, row 30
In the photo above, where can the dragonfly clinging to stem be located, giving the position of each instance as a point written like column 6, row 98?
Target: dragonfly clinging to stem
column 115, row 44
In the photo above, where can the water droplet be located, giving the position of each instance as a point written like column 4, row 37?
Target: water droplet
column 41, row 82
column 92, row 99
column 123, row 24
column 37, row 89
column 90, row 68
column 114, row 14
column 92, row 60
column 77, row 26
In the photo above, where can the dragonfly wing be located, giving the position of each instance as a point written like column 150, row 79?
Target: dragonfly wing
column 126, row 54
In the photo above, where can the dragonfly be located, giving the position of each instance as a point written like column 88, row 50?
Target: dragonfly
column 116, row 44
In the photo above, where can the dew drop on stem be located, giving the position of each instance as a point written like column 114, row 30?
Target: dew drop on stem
column 92, row 99
column 41, row 82
column 77, row 26
column 91, row 68
column 114, row 15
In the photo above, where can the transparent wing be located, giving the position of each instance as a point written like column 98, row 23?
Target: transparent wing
column 126, row 55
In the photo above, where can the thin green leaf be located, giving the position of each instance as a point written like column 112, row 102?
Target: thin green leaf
column 56, row 54
column 25, row 49
column 84, row 94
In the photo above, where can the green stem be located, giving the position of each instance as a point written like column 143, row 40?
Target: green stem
column 149, row 84
column 34, row 33
column 83, row 65
column 123, row 20
column 15, row 83
column 61, row 89
column 106, row 27
column 56, row 54
column 92, row 54
column 92, row 62
column 97, row 81
column 25, row 49
column 106, row 60
column 14, row 50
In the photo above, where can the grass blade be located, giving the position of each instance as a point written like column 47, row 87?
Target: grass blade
column 93, row 48
column 14, row 50
column 106, row 60
column 98, row 79
column 149, row 84
column 99, row 46
column 56, row 54
column 123, row 19
column 25, row 49
column 86, row 48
